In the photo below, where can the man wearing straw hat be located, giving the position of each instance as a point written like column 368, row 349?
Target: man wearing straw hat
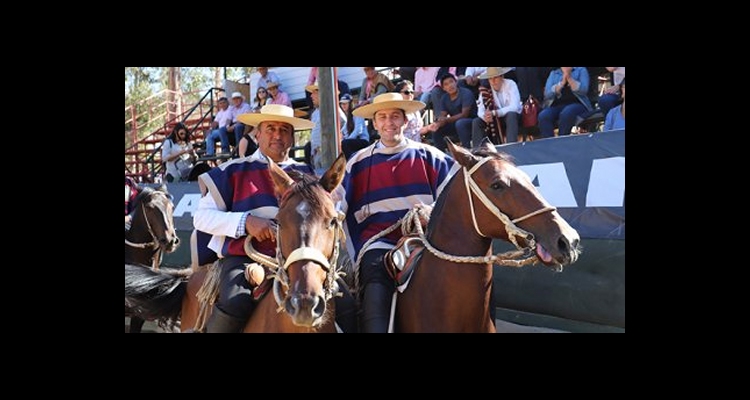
column 238, row 200
column 382, row 183
column 507, row 103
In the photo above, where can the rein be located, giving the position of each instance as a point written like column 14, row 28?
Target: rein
column 410, row 223
column 154, row 243
column 279, row 264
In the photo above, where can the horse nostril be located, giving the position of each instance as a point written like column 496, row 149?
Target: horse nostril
column 320, row 306
column 163, row 241
column 176, row 241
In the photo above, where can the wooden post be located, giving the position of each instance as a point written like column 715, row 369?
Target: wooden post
column 329, row 116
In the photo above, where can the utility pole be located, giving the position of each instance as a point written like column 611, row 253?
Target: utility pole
column 329, row 116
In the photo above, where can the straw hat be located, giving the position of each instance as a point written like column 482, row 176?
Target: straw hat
column 275, row 112
column 272, row 84
column 388, row 100
column 495, row 71
column 238, row 94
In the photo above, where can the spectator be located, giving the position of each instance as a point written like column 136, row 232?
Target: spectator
column 354, row 130
column 425, row 79
column 458, row 109
column 266, row 77
column 472, row 81
column 507, row 103
column 219, row 129
column 278, row 96
column 611, row 96
column 131, row 191
column 247, row 144
column 616, row 116
column 565, row 98
column 260, row 100
column 414, row 125
column 382, row 183
column 177, row 154
column 375, row 83
column 239, row 106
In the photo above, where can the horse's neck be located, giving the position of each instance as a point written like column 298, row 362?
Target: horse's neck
column 452, row 230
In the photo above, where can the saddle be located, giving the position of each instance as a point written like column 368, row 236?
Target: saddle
column 400, row 260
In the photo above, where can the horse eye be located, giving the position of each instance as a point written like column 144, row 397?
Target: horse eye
column 496, row 186
column 334, row 221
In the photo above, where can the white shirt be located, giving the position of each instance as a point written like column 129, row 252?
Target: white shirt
column 506, row 100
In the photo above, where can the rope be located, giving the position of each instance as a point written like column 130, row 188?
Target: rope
column 207, row 295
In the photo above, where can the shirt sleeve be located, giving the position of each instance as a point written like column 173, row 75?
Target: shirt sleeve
column 208, row 218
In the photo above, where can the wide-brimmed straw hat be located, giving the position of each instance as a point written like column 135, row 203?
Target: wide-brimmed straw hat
column 275, row 112
column 314, row 87
column 495, row 71
column 271, row 84
column 388, row 100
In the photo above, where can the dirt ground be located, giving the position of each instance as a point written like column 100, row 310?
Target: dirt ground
column 502, row 327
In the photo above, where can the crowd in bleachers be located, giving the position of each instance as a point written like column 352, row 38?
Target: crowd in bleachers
column 466, row 104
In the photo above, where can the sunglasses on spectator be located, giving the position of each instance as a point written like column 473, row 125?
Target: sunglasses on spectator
column 407, row 91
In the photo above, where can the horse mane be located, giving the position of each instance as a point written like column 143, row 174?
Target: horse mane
column 306, row 186
column 145, row 192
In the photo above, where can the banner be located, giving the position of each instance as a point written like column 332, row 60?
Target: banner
column 582, row 175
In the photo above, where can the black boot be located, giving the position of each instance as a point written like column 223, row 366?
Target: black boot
column 376, row 308
column 346, row 309
column 221, row 322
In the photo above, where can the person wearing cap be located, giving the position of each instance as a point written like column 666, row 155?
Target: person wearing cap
column 382, row 183
column 354, row 129
column 219, row 129
column 278, row 96
column 238, row 200
column 239, row 106
column 507, row 106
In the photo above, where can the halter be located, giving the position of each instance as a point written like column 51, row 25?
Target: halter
column 510, row 226
column 280, row 275
column 154, row 243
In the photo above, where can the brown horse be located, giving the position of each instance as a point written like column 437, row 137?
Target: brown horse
column 303, row 273
column 490, row 198
column 151, row 234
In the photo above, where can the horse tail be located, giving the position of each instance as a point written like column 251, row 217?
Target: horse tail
column 155, row 295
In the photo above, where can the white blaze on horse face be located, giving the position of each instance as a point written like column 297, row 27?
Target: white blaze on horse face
column 303, row 209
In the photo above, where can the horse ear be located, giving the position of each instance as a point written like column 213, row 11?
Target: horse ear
column 335, row 173
column 281, row 180
column 461, row 155
column 487, row 145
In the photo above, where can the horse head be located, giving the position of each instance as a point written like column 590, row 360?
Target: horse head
column 505, row 204
column 153, row 216
column 308, row 238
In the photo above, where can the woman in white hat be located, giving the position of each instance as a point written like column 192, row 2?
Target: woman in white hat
column 238, row 200
column 382, row 182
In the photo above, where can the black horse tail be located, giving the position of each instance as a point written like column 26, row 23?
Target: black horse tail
column 155, row 295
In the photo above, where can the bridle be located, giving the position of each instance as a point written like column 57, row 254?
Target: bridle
column 280, row 264
column 511, row 228
column 154, row 243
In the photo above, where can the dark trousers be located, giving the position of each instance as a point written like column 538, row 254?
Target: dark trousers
column 235, row 295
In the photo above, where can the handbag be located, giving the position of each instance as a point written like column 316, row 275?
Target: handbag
column 530, row 112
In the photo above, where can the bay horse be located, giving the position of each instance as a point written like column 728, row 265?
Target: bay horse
column 489, row 198
column 303, row 272
column 151, row 234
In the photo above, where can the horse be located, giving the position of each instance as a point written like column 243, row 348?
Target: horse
column 151, row 234
column 489, row 198
column 303, row 273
